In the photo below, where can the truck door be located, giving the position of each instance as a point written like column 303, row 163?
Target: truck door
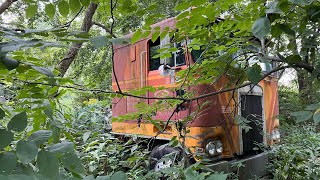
column 251, row 109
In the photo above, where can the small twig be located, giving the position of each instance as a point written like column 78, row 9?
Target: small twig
column 67, row 24
column 105, row 28
column 115, row 104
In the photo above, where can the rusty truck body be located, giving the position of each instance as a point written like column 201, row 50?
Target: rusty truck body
column 135, row 67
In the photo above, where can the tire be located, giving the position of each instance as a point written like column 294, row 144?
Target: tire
column 159, row 152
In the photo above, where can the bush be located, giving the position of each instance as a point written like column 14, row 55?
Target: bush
column 298, row 157
column 289, row 101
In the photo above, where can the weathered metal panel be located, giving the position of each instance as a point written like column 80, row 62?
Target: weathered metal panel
column 271, row 104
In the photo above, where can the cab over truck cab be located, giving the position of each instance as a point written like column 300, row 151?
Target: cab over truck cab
column 213, row 132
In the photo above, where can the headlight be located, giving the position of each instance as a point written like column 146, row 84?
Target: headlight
column 275, row 135
column 214, row 148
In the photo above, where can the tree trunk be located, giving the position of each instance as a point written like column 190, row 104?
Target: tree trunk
column 304, row 86
column 5, row 5
column 74, row 49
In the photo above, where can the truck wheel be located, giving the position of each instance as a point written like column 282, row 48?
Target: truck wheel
column 158, row 160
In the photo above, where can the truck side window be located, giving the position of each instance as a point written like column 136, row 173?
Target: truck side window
column 179, row 56
column 154, row 63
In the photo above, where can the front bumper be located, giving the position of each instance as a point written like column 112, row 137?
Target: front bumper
column 247, row 168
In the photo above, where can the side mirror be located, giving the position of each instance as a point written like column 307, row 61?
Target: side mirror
column 165, row 70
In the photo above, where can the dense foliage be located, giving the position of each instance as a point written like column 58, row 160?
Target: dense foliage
column 54, row 110
column 298, row 155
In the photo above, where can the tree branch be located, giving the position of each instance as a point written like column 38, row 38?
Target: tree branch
column 237, row 87
column 305, row 66
column 74, row 49
column 158, row 98
column 105, row 28
column 5, row 5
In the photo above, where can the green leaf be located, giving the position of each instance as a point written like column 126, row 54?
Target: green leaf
column 6, row 138
column 198, row 2
column 182, row 6
column 10, row 63
column 136, row 36
column 156, row 124
column 293, row 58
column 316, row 116
column 21, row 176
column 301, row 2
column 302, row 115
column 61, row 148
column 261, row 27
column 120, row 41
column 119, row 175
column 56, row 133
column 18, row 122
column 2, row 113
column 26, row 151
column 192, row 174
column 63, row 7
column 31, row 10
column 72, row 162
column 50, row 10
column 48, row 164
column 217, row 177
column 254, row 74
column 99, row 41
column 7, row 162
column 102, row 178
column 286, row 29
column 91, row 177
column 313, row 107
column 86, row 136
column 68, row 136
column 126, row 5
column 145, row 34
column 49, row 112
column 155, row 36
column 163, row 34
column 75, row 5
column 40, row 137
column 86, row 3
column 241, row 120
column 43, row 70
column 273, row 8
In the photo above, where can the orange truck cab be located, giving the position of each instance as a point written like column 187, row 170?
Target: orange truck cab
column 214, row 131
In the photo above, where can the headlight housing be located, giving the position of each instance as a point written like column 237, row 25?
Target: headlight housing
column 275, row 135
column 214, row 148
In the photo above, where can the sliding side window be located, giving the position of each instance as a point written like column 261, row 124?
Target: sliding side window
column 154, row 63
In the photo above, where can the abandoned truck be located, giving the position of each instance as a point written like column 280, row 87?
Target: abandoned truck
column 212, row 132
